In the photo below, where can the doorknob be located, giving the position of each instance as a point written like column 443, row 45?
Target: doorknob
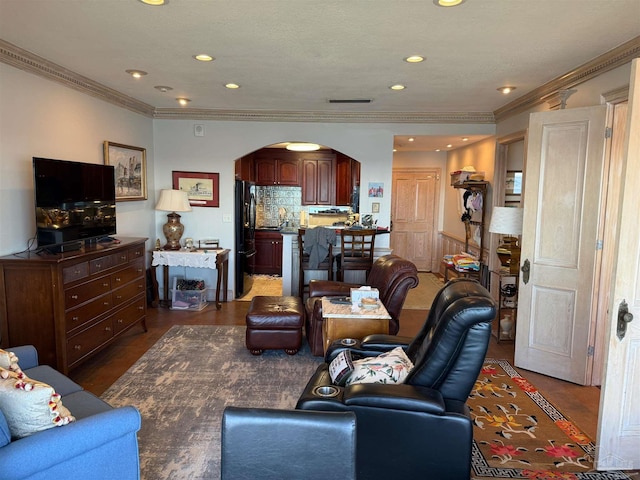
column 526, row 270
column 624, row 317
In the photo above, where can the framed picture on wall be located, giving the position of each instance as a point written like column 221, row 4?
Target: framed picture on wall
column 203, row 189
column 513, row 185
column 130, row 170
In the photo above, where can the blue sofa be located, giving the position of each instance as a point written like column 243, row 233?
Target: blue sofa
column 101, row 444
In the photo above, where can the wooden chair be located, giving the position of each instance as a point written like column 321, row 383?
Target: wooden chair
column 356, row 251
column 309, row 258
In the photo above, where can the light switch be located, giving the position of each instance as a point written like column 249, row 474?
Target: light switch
column 226, row 218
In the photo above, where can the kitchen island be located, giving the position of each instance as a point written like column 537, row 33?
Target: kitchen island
column 290, row 260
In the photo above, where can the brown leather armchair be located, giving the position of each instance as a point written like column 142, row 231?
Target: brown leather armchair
column 392, row 275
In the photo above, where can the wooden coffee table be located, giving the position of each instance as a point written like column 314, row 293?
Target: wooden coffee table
column 342, row 321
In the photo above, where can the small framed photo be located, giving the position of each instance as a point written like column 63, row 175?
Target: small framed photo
column 375, row 207
column 376, row 189
column 203, row 189
column 513, row 185
column 130, row 166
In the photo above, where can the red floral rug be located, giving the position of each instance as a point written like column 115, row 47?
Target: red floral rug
column 519, row 434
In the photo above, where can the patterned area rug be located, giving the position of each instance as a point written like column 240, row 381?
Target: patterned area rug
column 519, row 434
column 421, row 297
column 182, row 384
column 263, row 285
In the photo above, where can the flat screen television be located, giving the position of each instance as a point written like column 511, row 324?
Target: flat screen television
column 74, row 202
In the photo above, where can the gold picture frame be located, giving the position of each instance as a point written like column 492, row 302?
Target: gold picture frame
column 130, row 165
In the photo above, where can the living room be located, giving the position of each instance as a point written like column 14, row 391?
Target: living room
column 41, row 117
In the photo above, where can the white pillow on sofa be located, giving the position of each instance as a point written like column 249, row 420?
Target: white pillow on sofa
column 9, row 361
column 30, row 406
column 389, row 367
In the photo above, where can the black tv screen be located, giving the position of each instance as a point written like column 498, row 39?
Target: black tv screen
column 74, row 201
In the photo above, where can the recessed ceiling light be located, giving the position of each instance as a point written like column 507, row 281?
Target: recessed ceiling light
column 183, row 101
column 505, row 90
column 465, row 139
column 163, row 88
column 155, row 3
column 203, row 57
column 414, row 59
column 448, row 3
column 303, row 147
column 411, row 139
column 397, row 87
column 437, row 149
column 449, row 146
column 136, row 73
column 232, row 86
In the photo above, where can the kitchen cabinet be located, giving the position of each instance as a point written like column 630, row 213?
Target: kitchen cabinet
column 347, row 177
column 72, row 305
column 268, row 257
column 280, row 168
column 318, row 179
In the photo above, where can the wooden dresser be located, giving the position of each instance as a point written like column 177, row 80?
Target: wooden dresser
column 73, row 304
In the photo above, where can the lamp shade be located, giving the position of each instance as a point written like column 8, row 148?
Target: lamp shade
column 506, row 220
column 173, row 201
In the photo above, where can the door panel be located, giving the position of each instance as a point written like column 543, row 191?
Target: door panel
column 560, row 232
column 413, row 214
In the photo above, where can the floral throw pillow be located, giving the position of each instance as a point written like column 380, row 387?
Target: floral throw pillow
column 30, row 406
column 389, row 367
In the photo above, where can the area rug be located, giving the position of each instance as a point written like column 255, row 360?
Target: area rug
column 518, row 433
column 421, row 297
column 182, row 384
column 263, row 285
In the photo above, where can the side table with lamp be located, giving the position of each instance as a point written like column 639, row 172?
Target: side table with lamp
column 507, row 221
column 173, row 201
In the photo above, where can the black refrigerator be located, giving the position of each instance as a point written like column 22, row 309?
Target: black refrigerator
column 245, row 225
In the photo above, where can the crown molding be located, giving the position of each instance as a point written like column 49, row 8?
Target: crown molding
column 324, row 117
column 29, row 62
column 607, row 61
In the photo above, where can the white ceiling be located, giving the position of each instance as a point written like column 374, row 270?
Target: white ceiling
column 295, row 55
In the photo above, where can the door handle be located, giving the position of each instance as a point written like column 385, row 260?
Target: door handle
column 624, row 317
column 526, row 270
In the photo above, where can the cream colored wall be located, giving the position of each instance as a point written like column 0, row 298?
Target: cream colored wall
column 481, row 156
column 42, row 118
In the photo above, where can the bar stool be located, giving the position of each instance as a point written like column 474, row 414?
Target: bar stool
column 356, row 251
column 313, row 243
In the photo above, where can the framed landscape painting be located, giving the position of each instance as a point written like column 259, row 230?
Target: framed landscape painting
column 130, row 170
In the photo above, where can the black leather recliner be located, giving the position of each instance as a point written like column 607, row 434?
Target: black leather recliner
column 421, row 428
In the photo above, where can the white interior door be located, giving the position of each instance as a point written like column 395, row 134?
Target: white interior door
column 415, row 198
column 618, row 439
column 564, row 168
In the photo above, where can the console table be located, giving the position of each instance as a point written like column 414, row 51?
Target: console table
column 215, row 258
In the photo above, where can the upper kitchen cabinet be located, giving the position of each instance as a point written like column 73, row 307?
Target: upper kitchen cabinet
column 277, row 167
column 318, row 178
column 244, row 168
column 347, row 177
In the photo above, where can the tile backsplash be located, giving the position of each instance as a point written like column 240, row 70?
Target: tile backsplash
column 269, row 201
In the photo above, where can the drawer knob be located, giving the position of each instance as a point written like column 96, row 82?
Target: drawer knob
column 123, row 257
column 118, row 279
column 74, row 297
column 107, row 329
column 120, row 321
column 106, row 304
column 75, row 319
column 140, row 308
column 106, row 285
column 77, row 347
column 76, row 272
column 139, row 270
column 98, row 265
column 118, row 297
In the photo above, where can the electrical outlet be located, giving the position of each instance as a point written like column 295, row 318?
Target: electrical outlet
column 226, row 218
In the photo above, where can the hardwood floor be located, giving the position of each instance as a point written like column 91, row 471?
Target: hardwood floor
column 96, row 375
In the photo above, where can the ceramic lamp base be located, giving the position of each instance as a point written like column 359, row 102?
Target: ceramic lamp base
column 173, row 231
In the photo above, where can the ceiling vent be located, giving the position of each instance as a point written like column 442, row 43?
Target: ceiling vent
column 350, row 100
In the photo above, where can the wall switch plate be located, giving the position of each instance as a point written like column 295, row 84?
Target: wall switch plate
column 226, row 218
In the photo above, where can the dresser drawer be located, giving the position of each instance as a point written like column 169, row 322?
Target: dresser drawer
column 120, row 258
column 135, row 253
column 88, row 340
column 101, row 264
column 126, row 293
column 128, row 274
column 85, row 292
column 77, row 317
column 129, row 315
column 75, row 272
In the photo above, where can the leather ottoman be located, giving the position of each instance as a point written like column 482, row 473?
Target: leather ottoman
column 274, row 323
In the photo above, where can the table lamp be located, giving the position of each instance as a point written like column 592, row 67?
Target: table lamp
column 508, row 221
column 173, row 201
